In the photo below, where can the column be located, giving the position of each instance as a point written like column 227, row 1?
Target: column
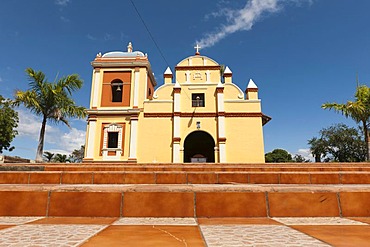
column 90, row 144
column 95, row 89
column 221, row 123
column 136, row 87
column 176, row 157
column 133, row 139
column 216, row 155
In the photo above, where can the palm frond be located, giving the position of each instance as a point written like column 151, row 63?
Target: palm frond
column 29, row 99
column 36, row 79
column 70, row 83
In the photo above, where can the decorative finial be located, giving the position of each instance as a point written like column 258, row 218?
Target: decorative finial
column 98, row 55
column 197, row 47
column 129, row 47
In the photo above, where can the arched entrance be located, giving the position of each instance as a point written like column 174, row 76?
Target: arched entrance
column 199, row 147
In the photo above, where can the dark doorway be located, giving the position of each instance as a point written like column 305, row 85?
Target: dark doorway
column 199, row 147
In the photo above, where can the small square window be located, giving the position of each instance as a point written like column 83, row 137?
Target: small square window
column 197, row 100
column 112, row 139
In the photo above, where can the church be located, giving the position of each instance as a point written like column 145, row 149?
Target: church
column 197, row 115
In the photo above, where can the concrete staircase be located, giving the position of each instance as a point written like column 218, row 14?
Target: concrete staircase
column 186, row 190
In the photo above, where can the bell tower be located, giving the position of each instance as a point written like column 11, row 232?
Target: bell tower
column 121, row 82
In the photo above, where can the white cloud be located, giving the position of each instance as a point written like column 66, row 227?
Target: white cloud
column 30, row 125
column 105, row 37
column 62, row 2
column 90, row 37
column 242, row 19
column 72, row 140
column 64, row 19
column 58, row 151
column 306, row 153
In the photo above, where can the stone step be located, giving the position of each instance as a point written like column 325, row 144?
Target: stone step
column 186, row 200
column 183, row 177
column 284, row 167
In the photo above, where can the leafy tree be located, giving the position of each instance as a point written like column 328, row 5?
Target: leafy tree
column 317, row 148
column 61, row 158
column 51, row 101
column 278, row 156
column 48, row 156
column 341, row 143
column 358, row 110
column 300, row 159
column 77, row 155
column 8, row 124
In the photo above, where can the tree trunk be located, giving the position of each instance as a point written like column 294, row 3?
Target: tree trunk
column 40, row 147
column 366, row 133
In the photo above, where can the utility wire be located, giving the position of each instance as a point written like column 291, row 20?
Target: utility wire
column 150, row 34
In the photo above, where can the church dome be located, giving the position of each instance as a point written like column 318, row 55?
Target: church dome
column 124, row 54
column 128, row 53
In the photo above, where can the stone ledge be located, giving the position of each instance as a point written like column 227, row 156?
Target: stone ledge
column 187, row 188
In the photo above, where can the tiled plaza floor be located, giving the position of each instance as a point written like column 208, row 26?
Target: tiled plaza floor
column 211, row 232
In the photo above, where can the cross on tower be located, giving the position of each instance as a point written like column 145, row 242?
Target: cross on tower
column 197, row 47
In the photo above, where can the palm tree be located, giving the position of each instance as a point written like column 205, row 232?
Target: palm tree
column 51, row 101
column 48, row 156
column 61, row 158
column 358, row 110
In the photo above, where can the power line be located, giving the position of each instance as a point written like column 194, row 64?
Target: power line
column 150, row 34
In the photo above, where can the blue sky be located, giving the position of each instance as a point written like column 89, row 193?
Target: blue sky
column 300, row 53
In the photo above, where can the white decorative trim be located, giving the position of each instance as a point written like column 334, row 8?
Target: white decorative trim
column 222, row 152
column 190, row 62
column 157, row 101
column 112, row 128
column 176, row 99
column 155, row 96
column 197, row 88
column 220, row 102
column 200, row 84
column 221, row 126
column 91, row 140
column 187, row 75
column 168, row 71
column 204, row 61
column 176, row 153
column 133, row 139
column 251, row 84
column 96, row 84
column 208, row 76
column 196, row 56
column 242, row 101
column 114, row 111
column 136, row 88
column 176, row 126
column 216, row 152
column 116, row 69
column 241, row 93
column 146, row 85
column 227, row 70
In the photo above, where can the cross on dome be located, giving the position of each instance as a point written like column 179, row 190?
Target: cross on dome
column 197, row 47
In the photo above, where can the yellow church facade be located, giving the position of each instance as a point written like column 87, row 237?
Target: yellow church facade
column 197, row 115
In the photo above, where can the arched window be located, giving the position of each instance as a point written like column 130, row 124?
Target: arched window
column 117, row 87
